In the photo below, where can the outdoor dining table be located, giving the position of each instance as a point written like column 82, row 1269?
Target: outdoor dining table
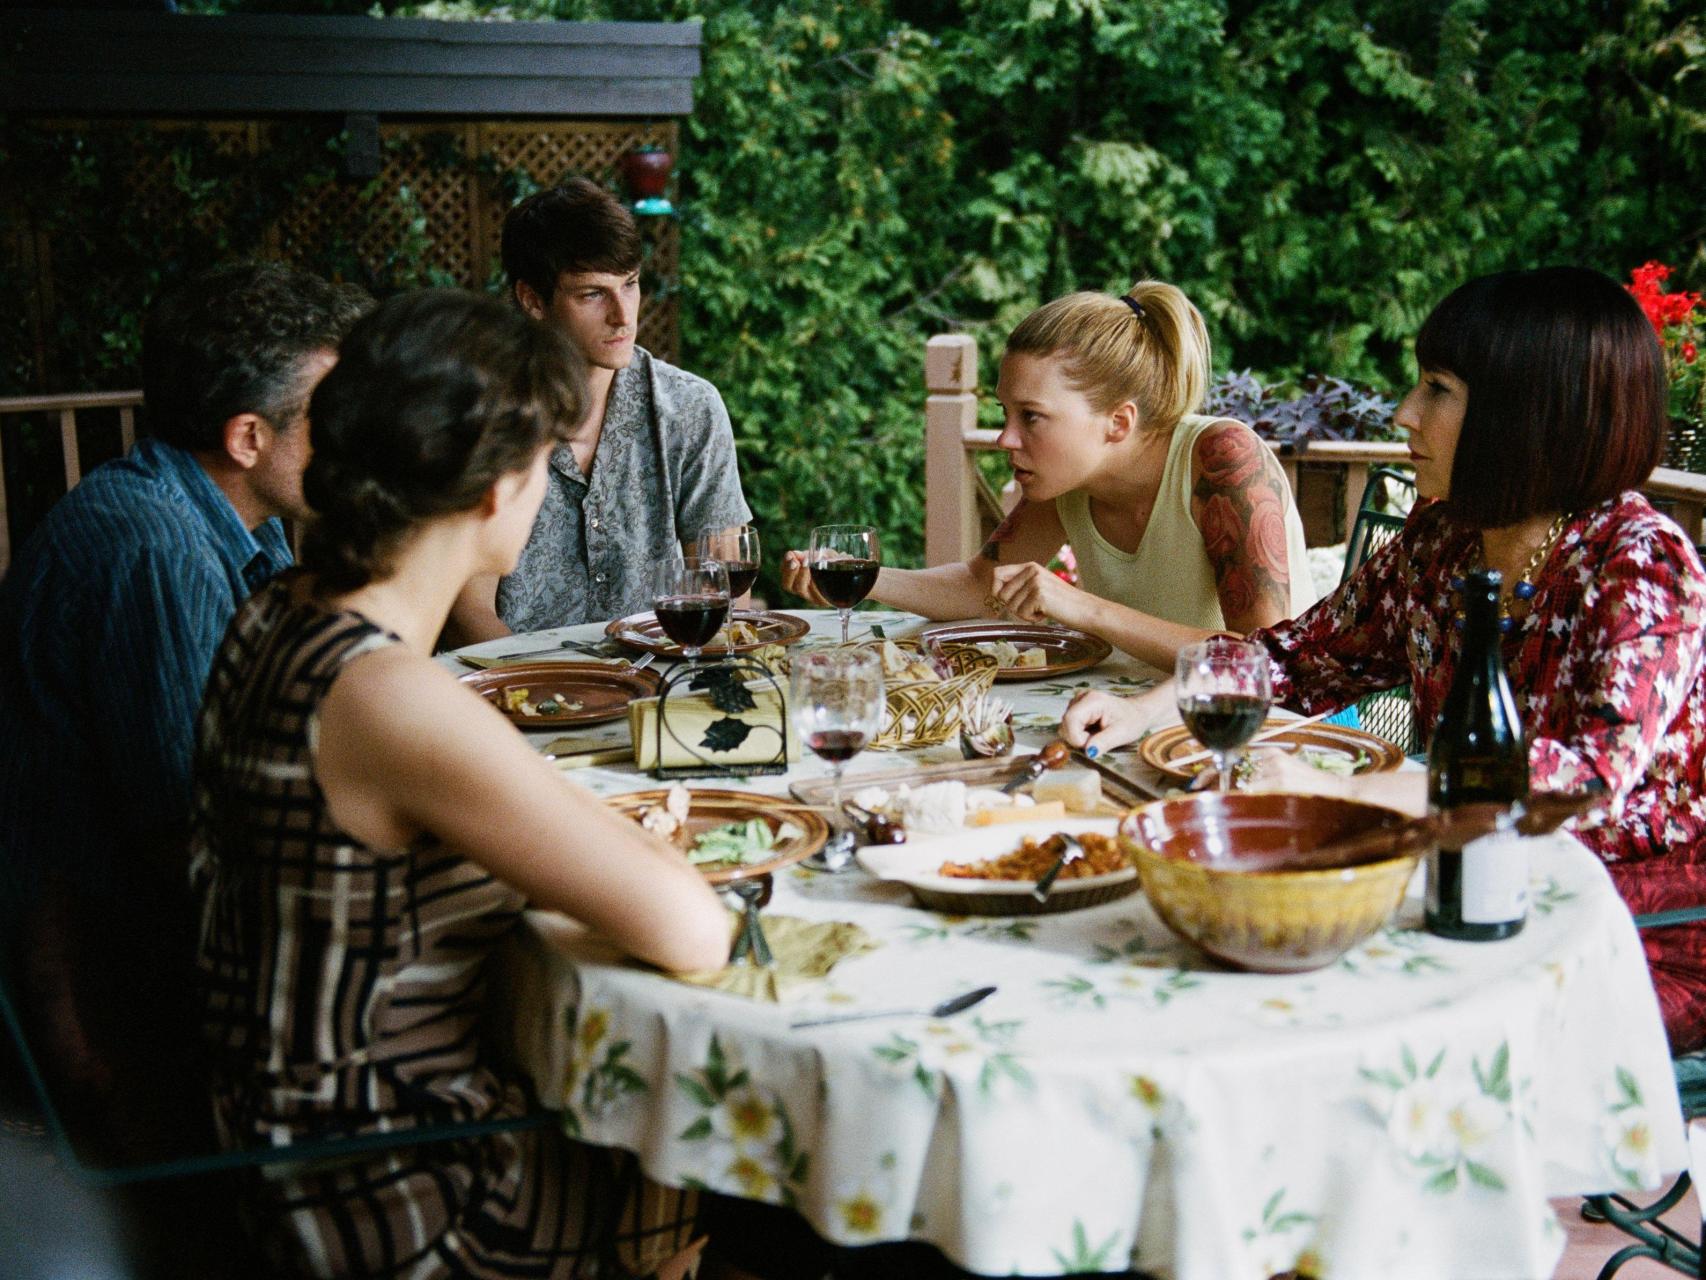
column 1121, row 1101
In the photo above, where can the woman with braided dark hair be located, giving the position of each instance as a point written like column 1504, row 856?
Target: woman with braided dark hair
column 367, row 829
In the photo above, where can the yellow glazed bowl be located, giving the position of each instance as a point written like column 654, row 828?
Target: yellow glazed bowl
column 1215, row 868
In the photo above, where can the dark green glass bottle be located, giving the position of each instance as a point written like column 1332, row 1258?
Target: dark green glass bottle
column 1478, row 892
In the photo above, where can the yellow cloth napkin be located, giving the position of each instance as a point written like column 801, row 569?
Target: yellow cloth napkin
column 804, row 950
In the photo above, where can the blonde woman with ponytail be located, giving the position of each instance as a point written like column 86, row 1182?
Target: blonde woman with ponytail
column 1182, row 525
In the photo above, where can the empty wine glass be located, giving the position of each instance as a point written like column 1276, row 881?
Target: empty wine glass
column 838, row 706
column 844, row 560
column 737, row 548
column 691, row 598
column 1224, row 692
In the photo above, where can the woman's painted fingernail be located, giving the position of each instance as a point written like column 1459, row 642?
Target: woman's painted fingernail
column 1092, row 752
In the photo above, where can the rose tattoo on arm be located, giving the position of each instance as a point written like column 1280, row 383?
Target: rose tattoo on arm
column 1003, row 533
column 1239, row 506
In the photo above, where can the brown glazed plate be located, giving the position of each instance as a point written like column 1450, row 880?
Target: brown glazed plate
column 644, row 631
column 713, row 808
column 595, row 691
column 1332, row 748
column 1067, row 650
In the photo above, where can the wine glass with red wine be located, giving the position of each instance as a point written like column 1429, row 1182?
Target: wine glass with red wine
column 1224, row 693
column 844, row 560
column 737, row 548
column 691, row 599
column 838, row 705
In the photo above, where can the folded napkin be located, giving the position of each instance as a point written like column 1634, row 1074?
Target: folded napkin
column 804, row 950
column 690, row 720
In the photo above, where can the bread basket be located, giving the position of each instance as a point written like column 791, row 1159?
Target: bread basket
column 923, row 713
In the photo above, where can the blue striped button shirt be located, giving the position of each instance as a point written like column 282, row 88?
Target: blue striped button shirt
column 109, row 621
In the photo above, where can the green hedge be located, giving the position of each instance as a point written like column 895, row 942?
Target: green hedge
column 859, row 174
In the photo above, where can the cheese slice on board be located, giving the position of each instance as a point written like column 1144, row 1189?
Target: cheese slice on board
column 1043, row 811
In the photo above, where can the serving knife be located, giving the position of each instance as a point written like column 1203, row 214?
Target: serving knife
column 946, row 1009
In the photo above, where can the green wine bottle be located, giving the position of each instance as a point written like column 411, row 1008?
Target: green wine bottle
column 1477, row 890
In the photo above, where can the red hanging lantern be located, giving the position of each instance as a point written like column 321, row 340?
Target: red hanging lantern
column 646, row 171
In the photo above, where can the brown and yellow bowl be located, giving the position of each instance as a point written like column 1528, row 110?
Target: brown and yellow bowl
column 1223, row 872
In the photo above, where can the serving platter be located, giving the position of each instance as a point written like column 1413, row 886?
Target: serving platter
column 644, row 631
column 1067, row 650
column 594, row 692
column 1333, row 748
column 715, row 808
column 917, row 864
column 1118, row 793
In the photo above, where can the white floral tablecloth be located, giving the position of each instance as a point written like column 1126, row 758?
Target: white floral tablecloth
column 1122, row 1102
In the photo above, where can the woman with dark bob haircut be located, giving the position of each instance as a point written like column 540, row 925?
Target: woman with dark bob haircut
column 367, row 829
column 1541, row 407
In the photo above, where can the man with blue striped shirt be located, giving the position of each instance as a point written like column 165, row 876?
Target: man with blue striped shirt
column 111, row 615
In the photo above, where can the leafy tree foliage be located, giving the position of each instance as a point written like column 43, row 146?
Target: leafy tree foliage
column 1315, row 173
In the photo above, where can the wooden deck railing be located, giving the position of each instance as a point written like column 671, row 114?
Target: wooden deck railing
column 66, row 408
column 960, row 509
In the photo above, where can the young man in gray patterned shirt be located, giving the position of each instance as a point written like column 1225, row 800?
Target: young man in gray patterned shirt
column 650, row 468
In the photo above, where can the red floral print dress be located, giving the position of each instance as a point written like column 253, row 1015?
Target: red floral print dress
column 1606, row 666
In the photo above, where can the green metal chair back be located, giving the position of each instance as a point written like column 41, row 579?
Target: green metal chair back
column 1384, row 509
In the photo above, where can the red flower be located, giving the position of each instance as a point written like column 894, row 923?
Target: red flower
column 1267, row 535
column 1230, row 458
column 1237, row 592
column 1222, row 528
column 1662, row 309
column 1688, row 352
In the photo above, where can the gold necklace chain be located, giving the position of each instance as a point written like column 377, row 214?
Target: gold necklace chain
column 1523, row 588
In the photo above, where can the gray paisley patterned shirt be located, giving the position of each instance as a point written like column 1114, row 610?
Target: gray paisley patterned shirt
column 663, row 472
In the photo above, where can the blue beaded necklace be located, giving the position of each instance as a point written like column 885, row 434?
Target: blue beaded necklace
column 1525, row 588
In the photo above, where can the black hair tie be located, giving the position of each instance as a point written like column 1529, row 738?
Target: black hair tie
column 1136, row 306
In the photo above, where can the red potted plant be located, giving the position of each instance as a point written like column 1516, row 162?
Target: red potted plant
column 1678, row 319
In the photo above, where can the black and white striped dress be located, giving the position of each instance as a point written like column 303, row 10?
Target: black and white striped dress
column 342, row 992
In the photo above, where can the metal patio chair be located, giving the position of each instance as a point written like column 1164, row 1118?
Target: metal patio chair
column 1652, row 1238
column 166, row 1169
column 1385, row 507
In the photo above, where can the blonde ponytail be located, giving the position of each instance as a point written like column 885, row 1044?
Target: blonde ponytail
column 1150, row 347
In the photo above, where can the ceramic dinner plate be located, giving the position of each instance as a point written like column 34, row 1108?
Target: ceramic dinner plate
column 644, row 631
column 1332, row 748
column 917, row 864
column 1066, row 650
column 715, row 808
column 590, row 692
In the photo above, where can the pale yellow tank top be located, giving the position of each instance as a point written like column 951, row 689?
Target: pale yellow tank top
column 1169, row 573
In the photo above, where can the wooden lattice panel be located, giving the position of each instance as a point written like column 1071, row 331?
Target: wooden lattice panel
column 366, row 227
column 154, row 195
column 548, row 153
column 660, row 328
column 375, row 219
